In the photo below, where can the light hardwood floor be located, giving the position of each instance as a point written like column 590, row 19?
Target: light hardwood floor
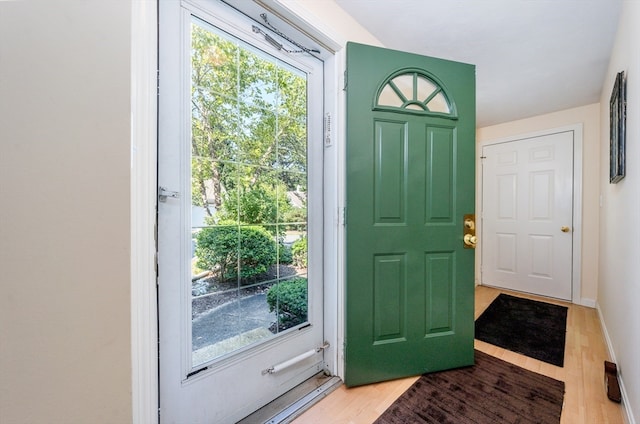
column 585, row 400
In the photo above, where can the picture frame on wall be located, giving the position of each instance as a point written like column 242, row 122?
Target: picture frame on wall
column 617, row 123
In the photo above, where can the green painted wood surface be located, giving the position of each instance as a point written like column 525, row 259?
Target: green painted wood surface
column 410, row 179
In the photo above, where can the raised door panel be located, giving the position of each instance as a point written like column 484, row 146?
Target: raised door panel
column 440, row 188
column 390, row 173
column 389, row 299
column 439, row 299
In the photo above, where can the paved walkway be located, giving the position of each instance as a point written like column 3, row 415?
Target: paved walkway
column 231, row 320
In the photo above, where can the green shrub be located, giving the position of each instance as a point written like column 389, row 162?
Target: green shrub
column 222, row 249
column 289, row 300
column 284, row 253
column 258, row 204
column 299, row 252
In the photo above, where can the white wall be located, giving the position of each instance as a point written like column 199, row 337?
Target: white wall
column 65, row 350
column 619, row 285
column 589, row 117
column 330, row 19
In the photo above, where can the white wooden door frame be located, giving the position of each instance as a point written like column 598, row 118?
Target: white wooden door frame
column 144, row 139
column 576, row 263
column 144, row 314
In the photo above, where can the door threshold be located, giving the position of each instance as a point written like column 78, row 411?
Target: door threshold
column 296, row 401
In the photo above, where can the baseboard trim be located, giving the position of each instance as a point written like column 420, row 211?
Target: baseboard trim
column 589, row 303
column 628, row 415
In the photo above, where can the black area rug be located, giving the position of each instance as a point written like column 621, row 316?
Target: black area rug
column 492, row 391
column 535, row 329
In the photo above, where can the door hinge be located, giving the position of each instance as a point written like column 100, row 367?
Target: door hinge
column 343, row 216
column 344, row 88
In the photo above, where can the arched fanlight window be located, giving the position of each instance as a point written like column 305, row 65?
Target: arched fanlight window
column 416, row 92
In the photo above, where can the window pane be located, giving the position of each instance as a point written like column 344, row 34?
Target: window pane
column 438, row 104
column 414, row 106
column 214, row 135
column 214, row 61
column 388, row 97
column 292, row 206
column 405, row 85
column 425, row 88
column 248, row 179
column 206, row 190
column 257, row 84
column 289, row 300
column 257, row 139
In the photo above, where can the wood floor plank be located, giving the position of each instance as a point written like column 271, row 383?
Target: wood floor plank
column 583, row 373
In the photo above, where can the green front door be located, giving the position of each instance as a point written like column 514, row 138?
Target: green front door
column 410, row 179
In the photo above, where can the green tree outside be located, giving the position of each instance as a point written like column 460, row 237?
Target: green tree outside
column 248, row 148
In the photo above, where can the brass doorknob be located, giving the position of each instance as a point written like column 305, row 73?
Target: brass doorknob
column 564, row 229
column 470, row 240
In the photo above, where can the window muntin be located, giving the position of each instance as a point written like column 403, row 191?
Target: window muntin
column 414, row 92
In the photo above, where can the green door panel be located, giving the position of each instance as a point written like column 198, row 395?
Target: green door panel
column 389, row 185
column 410, row 179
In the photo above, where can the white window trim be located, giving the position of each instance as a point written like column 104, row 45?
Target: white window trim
column 144, row 314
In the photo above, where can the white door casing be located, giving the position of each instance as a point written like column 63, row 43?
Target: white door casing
column 227, row 389
column 529, row 193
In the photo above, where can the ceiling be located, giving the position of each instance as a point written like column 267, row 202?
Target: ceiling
column 532, row 56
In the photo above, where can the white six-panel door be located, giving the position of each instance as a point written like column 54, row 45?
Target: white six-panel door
column 527, row 210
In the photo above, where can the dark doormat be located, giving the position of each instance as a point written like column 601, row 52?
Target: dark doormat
column 492, row 391
column 535, row 329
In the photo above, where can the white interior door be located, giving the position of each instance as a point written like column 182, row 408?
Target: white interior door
column 239, row 214
column 527, row 210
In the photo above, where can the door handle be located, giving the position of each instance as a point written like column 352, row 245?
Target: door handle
column 564, row 229
column 469, row 238
column 470, row 241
